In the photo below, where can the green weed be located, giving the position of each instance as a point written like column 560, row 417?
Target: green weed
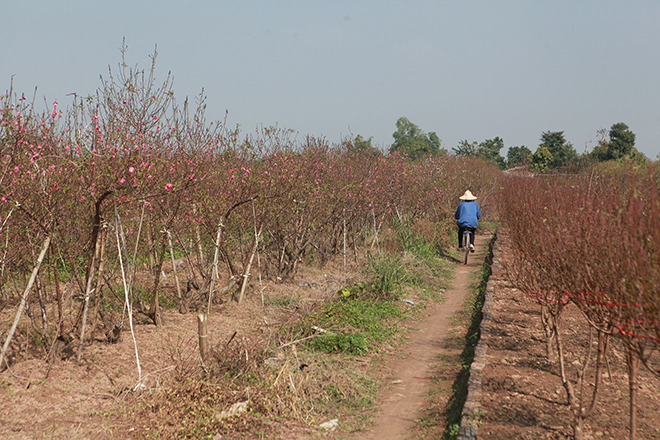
column 355, row 325
column 389, row 275
column 281, row 301
column 352, row 343
column 421, row 237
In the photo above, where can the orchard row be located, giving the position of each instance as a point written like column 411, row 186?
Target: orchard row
column 127, row 183
column 591, row 241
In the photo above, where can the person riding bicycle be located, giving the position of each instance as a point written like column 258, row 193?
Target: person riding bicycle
column 468, row 215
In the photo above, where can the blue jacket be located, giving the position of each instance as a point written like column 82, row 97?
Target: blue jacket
column 468, row 214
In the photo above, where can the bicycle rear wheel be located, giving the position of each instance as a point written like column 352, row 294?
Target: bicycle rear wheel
column 466, row 244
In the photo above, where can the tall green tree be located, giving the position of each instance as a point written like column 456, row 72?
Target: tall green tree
column 466, row 149
column 517, row 156
column 622, row 140
column 621, row 144
column 488, row 150
column 413, row 142
column 562, row 152
column 362, row 146
column 542, row 159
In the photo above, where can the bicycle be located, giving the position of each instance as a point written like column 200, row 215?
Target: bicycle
column 467, row 238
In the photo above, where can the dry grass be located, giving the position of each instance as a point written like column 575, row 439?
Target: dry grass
column 99, row 398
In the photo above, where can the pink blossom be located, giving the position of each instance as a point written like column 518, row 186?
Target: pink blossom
column 168, row 187
column 131, row 170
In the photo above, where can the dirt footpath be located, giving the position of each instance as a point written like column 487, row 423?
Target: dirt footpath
column 410, row 371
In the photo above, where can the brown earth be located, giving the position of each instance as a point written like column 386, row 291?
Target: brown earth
column 64, row 400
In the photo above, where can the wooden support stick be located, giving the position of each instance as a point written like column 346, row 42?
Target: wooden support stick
column 19, row 312
column 176, row 276
column 203, row 331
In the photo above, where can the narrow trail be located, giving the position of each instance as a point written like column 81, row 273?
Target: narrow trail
column 403, row 400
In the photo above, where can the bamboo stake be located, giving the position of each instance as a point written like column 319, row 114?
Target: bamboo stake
column 5, row 224
column 261, row 287
column 88, row 292
column 137, row 244
column 42, row 305
column 247, row 270
column 99, row 277
column 373, row 213
column 203, row 332
column 19, row 312
column 214, row 272
column 127, row 304
column 58, row 293
column 344, row 251
column 152, row 250
column 176, row 276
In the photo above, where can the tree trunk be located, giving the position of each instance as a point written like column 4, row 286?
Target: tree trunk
column 198, row 237
column 42, row 306
column 581, row 412
column 562, row 367
column 549, row 334
column 58, row 294
column 112, row 330
column 154, row 312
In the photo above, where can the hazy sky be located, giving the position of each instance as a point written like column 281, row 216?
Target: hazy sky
column 467, row 70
